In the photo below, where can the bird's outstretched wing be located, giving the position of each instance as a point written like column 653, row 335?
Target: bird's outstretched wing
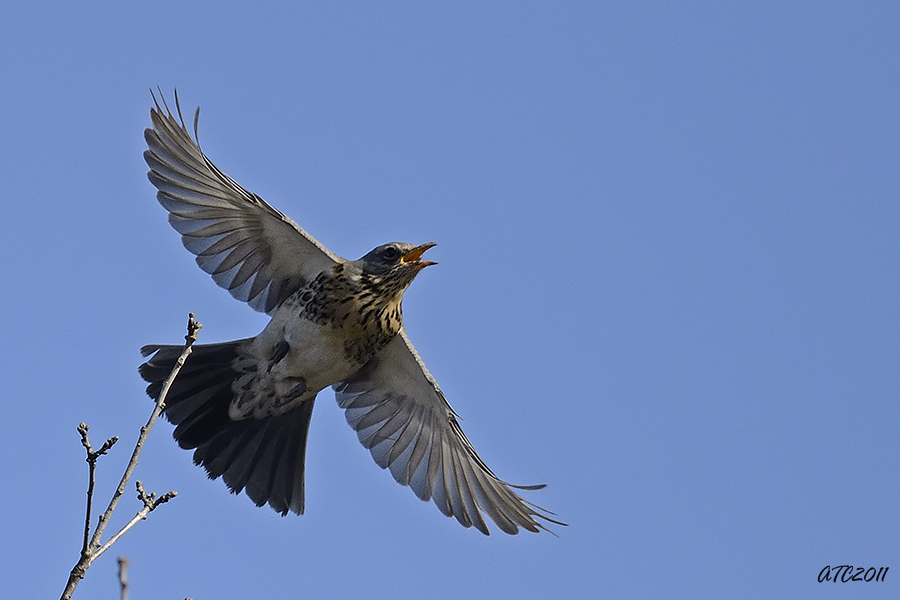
column 250, row 248
column 402, row 417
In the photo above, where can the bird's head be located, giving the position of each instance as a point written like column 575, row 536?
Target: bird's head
column 394, row 265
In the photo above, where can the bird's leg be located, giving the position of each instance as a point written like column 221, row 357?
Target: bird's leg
column 295, row 392
column 278, row 353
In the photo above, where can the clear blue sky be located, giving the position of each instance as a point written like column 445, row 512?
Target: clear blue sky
column 668, row 286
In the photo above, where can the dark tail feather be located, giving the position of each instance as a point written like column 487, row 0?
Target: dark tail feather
column 263, row 457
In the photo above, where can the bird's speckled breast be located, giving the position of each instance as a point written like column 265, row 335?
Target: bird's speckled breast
column 320, row 335
column 355, row 307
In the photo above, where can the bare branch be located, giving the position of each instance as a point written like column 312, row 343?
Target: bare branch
column 123, row 578
column 92, row 466
column 91, row 548
column 193, row 327
column 107, row 445
column 150, row 503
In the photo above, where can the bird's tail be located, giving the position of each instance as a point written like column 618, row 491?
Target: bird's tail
column 264, row 457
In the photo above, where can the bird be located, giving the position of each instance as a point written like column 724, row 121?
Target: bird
column 244, row 406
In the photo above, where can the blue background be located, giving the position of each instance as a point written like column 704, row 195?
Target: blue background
column 667, row 286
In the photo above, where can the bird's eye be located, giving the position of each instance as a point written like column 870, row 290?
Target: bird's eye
column 391, row 253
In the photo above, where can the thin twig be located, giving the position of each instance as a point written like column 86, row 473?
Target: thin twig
column 92, row 467
column 91, row 548
column 123, row 578
column 150, row 503
column 190, row 338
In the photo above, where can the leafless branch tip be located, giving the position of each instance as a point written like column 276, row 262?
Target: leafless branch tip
column 123, row 578
column 92, row 455
column 150, row 500
column 193, row 328
column 91, row 548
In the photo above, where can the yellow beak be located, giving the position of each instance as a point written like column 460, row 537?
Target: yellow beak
column 416, row 253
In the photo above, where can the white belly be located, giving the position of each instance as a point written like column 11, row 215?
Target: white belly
column 316, row 358
column 316, row 354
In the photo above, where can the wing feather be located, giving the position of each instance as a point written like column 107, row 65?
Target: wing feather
column 401, row 415
column 236, row 236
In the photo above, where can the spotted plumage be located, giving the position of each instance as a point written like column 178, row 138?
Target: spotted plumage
column 244, row 407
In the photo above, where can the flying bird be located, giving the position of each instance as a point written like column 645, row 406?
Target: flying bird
column 244, row 406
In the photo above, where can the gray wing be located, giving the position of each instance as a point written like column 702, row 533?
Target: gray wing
column 252, row 250
column 402, row 417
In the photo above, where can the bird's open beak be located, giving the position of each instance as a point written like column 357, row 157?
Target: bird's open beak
column 416, row 253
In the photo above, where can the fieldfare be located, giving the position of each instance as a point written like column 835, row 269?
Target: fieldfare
column 244, row 406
